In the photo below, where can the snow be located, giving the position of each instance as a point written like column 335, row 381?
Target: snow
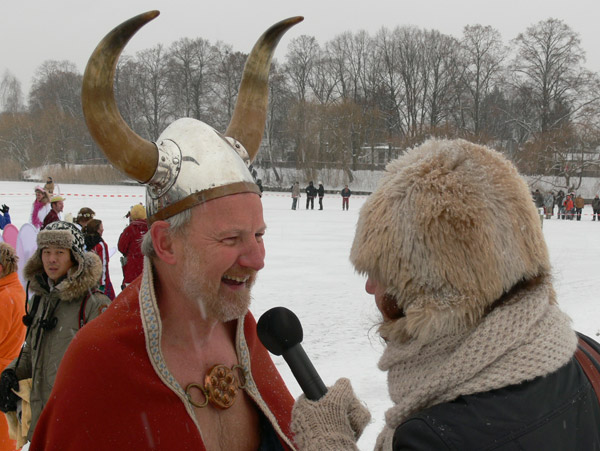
column 307, row 270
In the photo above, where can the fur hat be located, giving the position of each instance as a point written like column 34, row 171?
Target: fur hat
column 137, row 212
column 82, row 277
column 450, row 228
column 8, row 259
column 56, row 198
column 64, row 235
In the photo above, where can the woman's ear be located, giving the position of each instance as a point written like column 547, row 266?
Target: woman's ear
column 163, row 242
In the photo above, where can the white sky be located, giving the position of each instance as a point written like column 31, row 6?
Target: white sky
column 34, row 31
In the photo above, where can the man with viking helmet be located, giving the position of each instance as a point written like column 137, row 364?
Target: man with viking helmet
column 175, row 363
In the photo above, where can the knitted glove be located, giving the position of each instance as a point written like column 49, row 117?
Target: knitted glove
column 334, row 422
column 8, row 398
column 4, row 208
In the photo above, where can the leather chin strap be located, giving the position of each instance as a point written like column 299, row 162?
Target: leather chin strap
column 200, row 197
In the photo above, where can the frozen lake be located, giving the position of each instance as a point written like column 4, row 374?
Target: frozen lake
column 307, row 270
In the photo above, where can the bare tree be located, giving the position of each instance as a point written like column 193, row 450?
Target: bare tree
column 482, row 55
column 153, row 91
column 228, row 74
column 191, row 68
column 11, row 96
column 548, row 62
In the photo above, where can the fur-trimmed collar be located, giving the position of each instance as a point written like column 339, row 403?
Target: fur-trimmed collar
column 69, row 288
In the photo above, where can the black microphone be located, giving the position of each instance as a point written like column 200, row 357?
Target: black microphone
column 279, row 329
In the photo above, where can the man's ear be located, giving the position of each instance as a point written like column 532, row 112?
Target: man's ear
column 163, row 242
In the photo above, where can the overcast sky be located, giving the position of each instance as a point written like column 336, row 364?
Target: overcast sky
column 33, row 31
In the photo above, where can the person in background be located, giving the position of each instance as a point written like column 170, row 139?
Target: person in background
column 12, row 329
column 569, row 206
column 478, row 353
column 579, row 204
column 538, row 199
column 4, row 216
column 311, row 192
column 137, row 376
column 62, row 277
column 92, row 233
column 57, row 205
column 40, row 208
column 49, row 186
column 259, row 184
column 130, row 245
column 321, row 192
column 84, row 216
column 295, row 194
column 346, row 193
column 549, row 204
column 596, row 208
column 560, row 197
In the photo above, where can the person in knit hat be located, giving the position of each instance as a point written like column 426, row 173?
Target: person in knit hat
column 478, row 353
column 12, row 329
column 62, row 276
column 130, row 244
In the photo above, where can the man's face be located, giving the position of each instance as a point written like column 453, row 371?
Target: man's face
column 223, row 250
column 56, row 261
column 58, row 206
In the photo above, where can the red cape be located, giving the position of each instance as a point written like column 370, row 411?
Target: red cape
column 107, row 394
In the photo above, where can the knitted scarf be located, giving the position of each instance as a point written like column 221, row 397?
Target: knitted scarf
column 524, row 338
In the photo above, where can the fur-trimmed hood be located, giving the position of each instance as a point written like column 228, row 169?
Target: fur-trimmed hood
column 80, row 278
column 450, row 228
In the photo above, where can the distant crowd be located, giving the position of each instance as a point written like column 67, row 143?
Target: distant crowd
column 313, row 192
column 567, row 206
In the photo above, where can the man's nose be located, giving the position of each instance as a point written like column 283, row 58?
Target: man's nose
column 253, row 256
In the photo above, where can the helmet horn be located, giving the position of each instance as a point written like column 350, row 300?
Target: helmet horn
column 247, row 123
column 132, row 154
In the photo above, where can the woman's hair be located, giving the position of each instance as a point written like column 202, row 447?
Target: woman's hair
column 45, row 199
column 92, row 227
column 85, row 214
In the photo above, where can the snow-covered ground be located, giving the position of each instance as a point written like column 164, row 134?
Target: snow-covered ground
column 307, row 270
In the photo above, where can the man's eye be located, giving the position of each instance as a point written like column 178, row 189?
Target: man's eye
column 229, row 240
column 260, row 236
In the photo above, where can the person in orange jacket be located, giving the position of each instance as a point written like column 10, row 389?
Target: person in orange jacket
column 12, row 329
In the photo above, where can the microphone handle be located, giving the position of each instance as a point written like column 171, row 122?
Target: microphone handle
column 305, row 373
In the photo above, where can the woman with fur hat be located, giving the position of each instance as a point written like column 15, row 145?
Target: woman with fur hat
column 40, row 207
column 478, row 353
column 62, row 277
column 130, row 244
column 12, row 329
column 93, row 242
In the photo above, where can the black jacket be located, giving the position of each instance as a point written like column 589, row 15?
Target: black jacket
column 556, row 412
column 311, row 191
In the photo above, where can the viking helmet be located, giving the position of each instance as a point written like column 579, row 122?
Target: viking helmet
column 191, row 162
